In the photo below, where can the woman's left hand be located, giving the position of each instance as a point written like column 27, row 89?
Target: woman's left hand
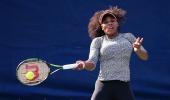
column 137, row 44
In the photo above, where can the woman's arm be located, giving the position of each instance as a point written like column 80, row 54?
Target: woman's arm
column 141, row 53
column 88, row 65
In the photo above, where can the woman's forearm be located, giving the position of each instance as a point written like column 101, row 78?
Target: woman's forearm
column 142, row 54
column 89, row 65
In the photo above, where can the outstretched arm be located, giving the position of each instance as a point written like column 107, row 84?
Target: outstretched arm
column 88, row 65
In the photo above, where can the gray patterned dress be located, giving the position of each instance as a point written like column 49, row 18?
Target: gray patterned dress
column 114, row 56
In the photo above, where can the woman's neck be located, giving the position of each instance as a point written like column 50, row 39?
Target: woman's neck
column 112, row 35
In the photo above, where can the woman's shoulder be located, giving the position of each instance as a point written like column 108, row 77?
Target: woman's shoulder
column 97, row 39
column 127, row 34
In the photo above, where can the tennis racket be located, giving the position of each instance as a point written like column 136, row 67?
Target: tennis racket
column 33, row 71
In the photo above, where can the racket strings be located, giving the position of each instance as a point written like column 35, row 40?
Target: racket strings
column 33, row 71
column 33, row 65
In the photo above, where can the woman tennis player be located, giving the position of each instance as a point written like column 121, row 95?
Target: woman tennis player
column 113, row 49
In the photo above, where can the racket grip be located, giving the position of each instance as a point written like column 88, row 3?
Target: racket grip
column 69, row 66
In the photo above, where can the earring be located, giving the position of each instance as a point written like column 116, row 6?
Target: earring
column 102, row 28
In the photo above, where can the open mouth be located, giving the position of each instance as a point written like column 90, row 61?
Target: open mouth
column 110, row 27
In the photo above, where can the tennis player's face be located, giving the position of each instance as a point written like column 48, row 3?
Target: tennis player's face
column 110, row 26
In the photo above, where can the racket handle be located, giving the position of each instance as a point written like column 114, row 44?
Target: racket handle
column 69, row 66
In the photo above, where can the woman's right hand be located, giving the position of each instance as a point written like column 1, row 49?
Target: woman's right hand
column 80, row 65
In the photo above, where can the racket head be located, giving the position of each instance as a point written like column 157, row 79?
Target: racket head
column 32, row 71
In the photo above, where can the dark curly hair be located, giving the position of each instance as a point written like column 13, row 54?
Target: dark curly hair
column 94, row 26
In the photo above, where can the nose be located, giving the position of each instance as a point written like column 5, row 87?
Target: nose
column 110, row 23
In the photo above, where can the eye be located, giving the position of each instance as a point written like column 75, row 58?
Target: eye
column 109, row 21
column 113, row 20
